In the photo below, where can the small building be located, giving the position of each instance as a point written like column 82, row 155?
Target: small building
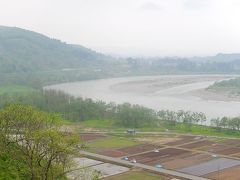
column 131, row 131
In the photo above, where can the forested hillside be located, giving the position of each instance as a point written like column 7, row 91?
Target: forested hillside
column 26, row 51
column 31, row 59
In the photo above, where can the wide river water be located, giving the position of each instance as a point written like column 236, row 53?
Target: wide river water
column 173, row 92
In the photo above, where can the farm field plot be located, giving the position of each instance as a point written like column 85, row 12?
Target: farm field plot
column 176, row 152
column 167, row 154
column 108, row 169
column 210, row 166
column 198, row 144
column 109, row 145
column 228, row 174
column 236, row 155
column 157, row 139
column 130, row 150
column 139, row 148
column 183, row 162
column 213, row 148
column 111, row 152
column 112, row 142
column 231, row 142
column 221, row 149
column 229, row 151
column 137, row 175
column 91, row 136
column 183, row 140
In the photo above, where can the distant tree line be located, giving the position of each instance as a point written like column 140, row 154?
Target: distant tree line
column 187, row 118
column 226, row 123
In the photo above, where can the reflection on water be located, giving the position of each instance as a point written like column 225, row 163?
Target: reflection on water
column 157, row 92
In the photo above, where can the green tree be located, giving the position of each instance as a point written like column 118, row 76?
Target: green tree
column 36, row 139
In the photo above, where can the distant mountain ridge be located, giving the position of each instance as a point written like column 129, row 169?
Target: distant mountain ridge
column 26, row 51
column 220, row 57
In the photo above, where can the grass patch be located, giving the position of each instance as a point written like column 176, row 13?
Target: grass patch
column 179, row 128
column 15, row 89
column 205, row 130
column 136, row 175
column 113, row 142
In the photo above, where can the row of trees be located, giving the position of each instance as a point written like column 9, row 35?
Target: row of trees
column 79, row 109
column 125, row 115
column 226, row 123
column 135, row 116
column 186, row 117
column 33, row 145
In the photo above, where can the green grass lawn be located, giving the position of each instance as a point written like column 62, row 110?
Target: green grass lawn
column 205, row 130
column 13, row 89
column 136, row 175
column 113, row 142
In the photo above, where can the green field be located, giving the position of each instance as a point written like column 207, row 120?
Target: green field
column 136, row 175
column 15, row 89
column 108, row 125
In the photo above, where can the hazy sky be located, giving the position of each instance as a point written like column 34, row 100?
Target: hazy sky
column 133, row 27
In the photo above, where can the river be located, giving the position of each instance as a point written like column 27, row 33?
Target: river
column 173, row 92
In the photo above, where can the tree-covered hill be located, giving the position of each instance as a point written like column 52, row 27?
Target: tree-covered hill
column 32, row 59
column 26, row 51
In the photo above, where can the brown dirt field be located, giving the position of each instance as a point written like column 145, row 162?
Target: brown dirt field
column 152, row 158
column 236, row 155
column 190, row 160
column 157, row 139
column 91, row 137
column 231, row 142
column 182, row 140
column 199, row 144
column 226, row 174
column 213, row 148
column 229, row 151
column 111, row 153
column 138, row 148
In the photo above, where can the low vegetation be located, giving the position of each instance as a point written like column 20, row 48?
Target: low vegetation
column 231, row 87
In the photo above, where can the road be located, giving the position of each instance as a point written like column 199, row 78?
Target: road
column 138, row 165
